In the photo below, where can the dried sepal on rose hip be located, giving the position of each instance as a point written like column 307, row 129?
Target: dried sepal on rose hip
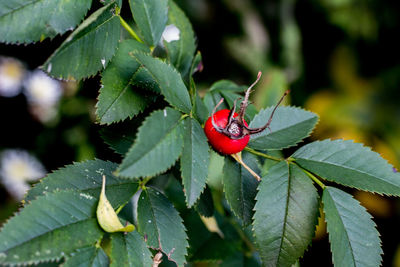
column 227, row 131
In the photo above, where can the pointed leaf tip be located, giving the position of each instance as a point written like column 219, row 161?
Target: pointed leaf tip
column 106, row 215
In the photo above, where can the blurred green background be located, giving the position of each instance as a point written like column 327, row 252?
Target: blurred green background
column 340, row 58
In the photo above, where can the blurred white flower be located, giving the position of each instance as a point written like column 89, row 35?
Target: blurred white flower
column 170, row 33
column 17, row 167
column 40, row 89
column 11, row 75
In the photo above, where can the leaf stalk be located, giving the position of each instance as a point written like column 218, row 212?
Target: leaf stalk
column 129, row 29
column 238, row 158
column 258, row 153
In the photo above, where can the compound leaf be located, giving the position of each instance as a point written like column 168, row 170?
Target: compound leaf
column 289, row 126
column 169, row 81
column 157, row 146
column 89, row 256
column 194, row 161
column 352, row 234
column 89, row 48
column 118, row 99
column 240, row 186
column 350, row 164
column 150, row 17
column 285, row 215
column 129, row 250
column 180, row 52
column 161, row 224
column 86, row 178
column 31, row 21
column 49, row 227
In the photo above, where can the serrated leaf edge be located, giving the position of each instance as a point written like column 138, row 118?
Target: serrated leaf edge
column 282, row 129
column 117, row 172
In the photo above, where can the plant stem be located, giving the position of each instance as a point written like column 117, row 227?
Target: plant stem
column 252, row 151
column 238, row 158
column 129, row 29
column 313, row 177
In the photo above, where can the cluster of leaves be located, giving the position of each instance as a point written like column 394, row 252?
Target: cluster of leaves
column 147, row 83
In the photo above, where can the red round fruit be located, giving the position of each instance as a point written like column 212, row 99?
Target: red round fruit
column 219, row 141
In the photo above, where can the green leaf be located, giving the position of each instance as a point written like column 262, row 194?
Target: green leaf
column 285, row 215
column 120, row 136
column 157, row 146
column 88, row 49
column 350, row 164
column 169, row 81
column 118, row 2
column 150, row 17
column 205, row 205
column 161, row 224
column 227, row 85
column 86, row 178
column 49, row 227
column 129, row 250
column 118, row 99
column 200, row 109
column 31, row 21
column 240, row 186
column 289, row 126
column 180, row 53
column 89, row 256
column 194, row 161
column 352, row 234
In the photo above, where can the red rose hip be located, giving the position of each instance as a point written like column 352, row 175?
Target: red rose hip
column 220, row 141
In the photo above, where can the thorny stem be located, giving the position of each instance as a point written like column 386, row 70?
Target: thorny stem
column 238, row 158
column 252, row 151
column 129, row 29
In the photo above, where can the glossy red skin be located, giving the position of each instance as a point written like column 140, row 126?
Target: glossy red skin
column 220, row 142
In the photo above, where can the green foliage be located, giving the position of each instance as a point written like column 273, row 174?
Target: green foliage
column 353, row 236
column 48, row 228
column 194, row 160
column 86, row 178
column 157, row 146
column 89, row 256
column 161, row 224
column 118, row 98
column 240, row 187
column 349, row 164
column 180, row 53
column 289, row 126
column 89, row 48
column 129, row 250
column 285, row 215
column 149, row 185
column 150, row 17
column 169, row 81
column 32, row 21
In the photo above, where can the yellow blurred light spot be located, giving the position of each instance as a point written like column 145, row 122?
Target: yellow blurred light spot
column 320, row 230
column 377, row 205
column 13, row 69
column 212, row 225
column 320, row 102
